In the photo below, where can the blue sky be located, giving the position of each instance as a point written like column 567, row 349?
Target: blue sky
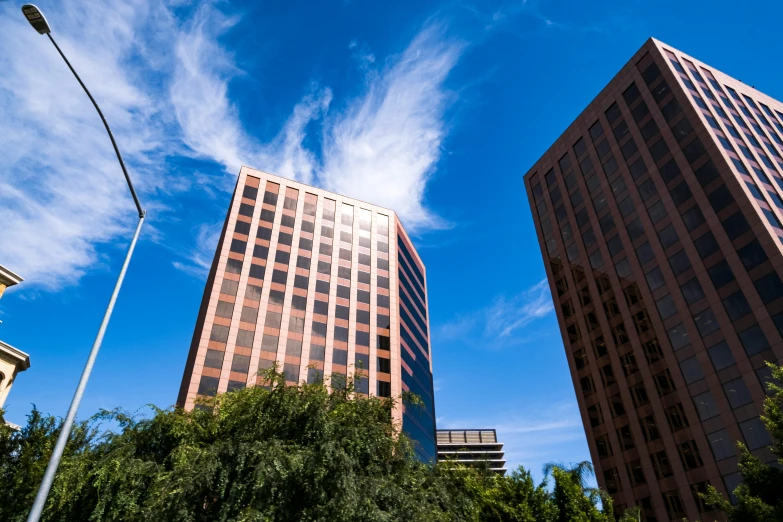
column 403, row 104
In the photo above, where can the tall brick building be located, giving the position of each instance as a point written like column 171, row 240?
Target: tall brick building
column 658, row 213
column 322, row 285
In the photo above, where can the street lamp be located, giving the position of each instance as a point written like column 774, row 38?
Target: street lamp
column 39, row 23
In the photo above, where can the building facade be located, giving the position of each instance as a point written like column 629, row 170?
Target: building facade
column 12, row 360
column 320, row 284
column 472, row 448
column 658, row 212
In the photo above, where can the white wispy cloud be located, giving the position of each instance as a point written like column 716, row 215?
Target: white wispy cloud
column 496, row 325
column 61, row 190
column 164, row 84
column 385, row 145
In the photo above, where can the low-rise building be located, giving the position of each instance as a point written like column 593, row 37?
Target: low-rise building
column 472, row 448
column 12, row 361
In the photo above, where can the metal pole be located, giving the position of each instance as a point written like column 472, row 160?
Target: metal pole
column 65, row 431
column 105, row 124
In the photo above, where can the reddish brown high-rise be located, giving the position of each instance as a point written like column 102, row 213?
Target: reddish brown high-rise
column 320, row 284
column 658, row 212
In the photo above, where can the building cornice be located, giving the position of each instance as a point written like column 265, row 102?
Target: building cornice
column 9, row 278
column 21, row 358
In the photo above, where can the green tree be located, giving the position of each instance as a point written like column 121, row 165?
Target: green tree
column 760, row 495
column 280, row 453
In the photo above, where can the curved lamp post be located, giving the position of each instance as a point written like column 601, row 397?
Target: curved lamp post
column 39, row 23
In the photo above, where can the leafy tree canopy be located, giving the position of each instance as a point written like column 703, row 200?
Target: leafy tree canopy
column 760, row 495
column 280, row 453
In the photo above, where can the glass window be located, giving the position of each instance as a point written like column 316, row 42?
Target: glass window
column 623, row 268
column 658, row 150
column 755, row 434
column 769, row 287
column 736, row 305
column 692, row 291
column 706, row 245
column 720, row 198
column 737, row 393
column 635, row 229
column 670, row 171
column 689, row 455
column 679, row 262
column 735, row 225
column 657, row 212
column 721, row 356
column 612, row 113
column 666, row 307
column 615, row 245
column 596, row 131
column 721, row 274
column 678, row 336
column 214, row 359
column 722, row 445
column 681, row 193
column 706, row 322
column 753, row 340
column 694, row 150
column 645, row 253
column 668, row 236
column 655, row 279
column 648, row 190
column 607, row 223
column 580, row 147
column 691, row 370
column 752, row 254
column 706, row 406
column 692, row 217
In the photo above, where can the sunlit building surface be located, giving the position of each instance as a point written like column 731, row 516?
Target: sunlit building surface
column 323, row 286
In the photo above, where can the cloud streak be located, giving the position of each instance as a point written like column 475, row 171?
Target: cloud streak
column 164, row 83
column 386, row 144
column 61, row 190
column 498, row 324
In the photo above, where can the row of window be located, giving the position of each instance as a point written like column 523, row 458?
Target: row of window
column 735, row 303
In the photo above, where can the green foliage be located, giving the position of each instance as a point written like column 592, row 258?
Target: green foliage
column 282, row 453
column 760, row 495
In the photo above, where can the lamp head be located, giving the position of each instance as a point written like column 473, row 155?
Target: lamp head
column 36, row 18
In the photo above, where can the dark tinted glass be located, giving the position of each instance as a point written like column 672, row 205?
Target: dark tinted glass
column 720, row 198
column 692, row 291
column 753, row 340
column 706, row 173
column 655, row 278
column 691, row 370
column 721, row 273
column 668, row 236
column 752, row 254
column 692, row 217
column 679, row 262
column 706, row 245
column 666, row 307
column 735, row 225
column 770, row 287
column 669, row 171
column 706, row 322
column 736, row 305
column 721, row 356
column 615, row 245
column 681, row 193
column 282, row 257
